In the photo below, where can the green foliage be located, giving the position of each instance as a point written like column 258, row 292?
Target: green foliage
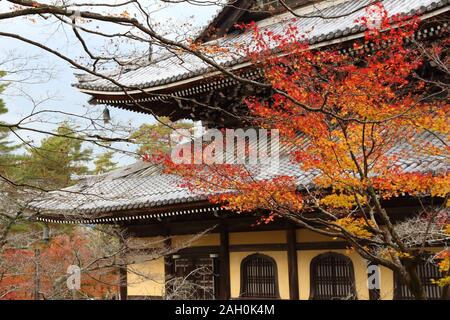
column 5, row 145
column 51, row 165
column 154, row 138
column 104, row 163
column 57, row 160
column 7, row 159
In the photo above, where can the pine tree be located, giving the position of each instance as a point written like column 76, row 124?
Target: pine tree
column 7, row 159
column 3, row 110
column 58, row 159
column 104, row 163
column 155, row 138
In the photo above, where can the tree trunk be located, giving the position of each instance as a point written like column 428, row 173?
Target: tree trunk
column 414, row 283
column 37, row 274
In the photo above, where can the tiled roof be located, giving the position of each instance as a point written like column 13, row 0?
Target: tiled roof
column 170, row 68
column 136, row 186
column 140, row 185
column 143, row 185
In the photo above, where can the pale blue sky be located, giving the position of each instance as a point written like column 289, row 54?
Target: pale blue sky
column 64, row 96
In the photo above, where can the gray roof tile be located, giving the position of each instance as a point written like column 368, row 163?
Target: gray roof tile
column 143, row 185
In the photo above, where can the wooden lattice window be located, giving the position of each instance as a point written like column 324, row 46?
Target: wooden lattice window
column 332, row 277
column 194, row 278
column 259, row 277
column 426, row 272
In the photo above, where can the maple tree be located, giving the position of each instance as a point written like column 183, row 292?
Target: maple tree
column 347, row 113
column 100, row 277
column 352, row 122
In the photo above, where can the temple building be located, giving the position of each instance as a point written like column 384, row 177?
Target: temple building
column 237, row 259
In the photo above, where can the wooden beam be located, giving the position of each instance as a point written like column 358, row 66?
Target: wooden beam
column 224, row 264
column 292, row 264
column 203, row 250
column 234, row 248
column 322, row 245
column 258, row 247
column 198, row 223
column 229, row 15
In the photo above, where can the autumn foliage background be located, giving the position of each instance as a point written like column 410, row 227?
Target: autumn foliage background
column 18, row 270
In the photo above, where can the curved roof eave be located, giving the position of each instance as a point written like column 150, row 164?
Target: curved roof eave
column 192, row 79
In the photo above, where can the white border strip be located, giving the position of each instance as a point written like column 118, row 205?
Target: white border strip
column 157, row 216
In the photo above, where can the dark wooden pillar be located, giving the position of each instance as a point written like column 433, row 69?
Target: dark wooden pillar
column 292, row 263
column 169, row 266
column 224, row 265
column 123, row 269
column 123, row 282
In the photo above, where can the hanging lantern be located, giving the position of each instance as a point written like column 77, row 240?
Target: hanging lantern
column 106, row 115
